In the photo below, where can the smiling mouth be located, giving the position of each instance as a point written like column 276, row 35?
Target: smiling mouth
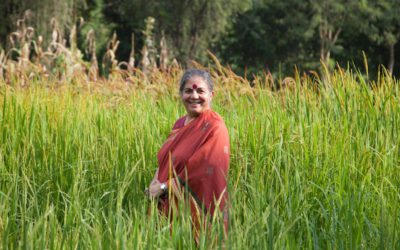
column 194, row 102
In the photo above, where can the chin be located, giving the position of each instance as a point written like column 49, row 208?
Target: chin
column 195, row 113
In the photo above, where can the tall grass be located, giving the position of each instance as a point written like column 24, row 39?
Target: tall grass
column 310, row 168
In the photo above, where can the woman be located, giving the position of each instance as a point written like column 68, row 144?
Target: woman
column 194, row 160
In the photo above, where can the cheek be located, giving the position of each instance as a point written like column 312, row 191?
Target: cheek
column 184, row 97
column 206, row 99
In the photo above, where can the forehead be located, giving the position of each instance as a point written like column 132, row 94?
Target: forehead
column 196, row 82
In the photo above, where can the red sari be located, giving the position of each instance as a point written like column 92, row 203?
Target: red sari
column 197, row 156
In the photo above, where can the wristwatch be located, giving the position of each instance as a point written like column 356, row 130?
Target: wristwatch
column 164, row 188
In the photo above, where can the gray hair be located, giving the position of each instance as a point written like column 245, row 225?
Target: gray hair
column 196, row 72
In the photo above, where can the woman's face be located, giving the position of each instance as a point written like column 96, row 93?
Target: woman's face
column 196, row 96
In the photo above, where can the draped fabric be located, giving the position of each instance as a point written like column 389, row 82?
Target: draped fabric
column 197, row 156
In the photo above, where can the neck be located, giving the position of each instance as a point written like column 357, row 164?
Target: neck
column 189, row 119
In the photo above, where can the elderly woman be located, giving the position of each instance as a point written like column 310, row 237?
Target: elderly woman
column 194, row 160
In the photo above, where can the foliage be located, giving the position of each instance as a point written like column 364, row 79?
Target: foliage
column 190, row 27
column 193, row 26
column 330, row 18
column 383, row 27
column 250, row 36
column 28, row 58
column 273, row 36
column 317, row 166
column 384, row 23
column 38, row 14
column 96, row 21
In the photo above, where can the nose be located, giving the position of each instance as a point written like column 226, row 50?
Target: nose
column 195, row 94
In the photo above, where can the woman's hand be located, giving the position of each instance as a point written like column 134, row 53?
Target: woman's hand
column 155, row 190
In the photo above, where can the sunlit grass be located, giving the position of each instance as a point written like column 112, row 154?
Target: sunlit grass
column 309, row 169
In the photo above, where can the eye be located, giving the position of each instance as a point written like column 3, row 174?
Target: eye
column 187, row 91
column 200, row 91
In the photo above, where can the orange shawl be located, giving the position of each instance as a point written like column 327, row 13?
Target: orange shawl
column 197, row 155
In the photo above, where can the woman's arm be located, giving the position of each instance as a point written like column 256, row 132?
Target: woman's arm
column 154, row 190
column 155, row 178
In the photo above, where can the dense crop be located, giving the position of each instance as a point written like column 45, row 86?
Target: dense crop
column 314, row 165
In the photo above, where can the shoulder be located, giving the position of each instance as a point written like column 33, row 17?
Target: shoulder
column 214, row 117
column 215, row 120
column 179, row 123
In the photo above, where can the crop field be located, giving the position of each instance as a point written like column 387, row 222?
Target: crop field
column 314, row 165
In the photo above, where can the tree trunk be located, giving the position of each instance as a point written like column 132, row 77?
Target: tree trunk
column 391, row 58
column 328, row 39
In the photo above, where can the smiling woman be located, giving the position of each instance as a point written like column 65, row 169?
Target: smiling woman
column 194, row 160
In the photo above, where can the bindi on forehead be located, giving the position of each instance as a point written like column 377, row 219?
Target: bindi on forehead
column 194, row 86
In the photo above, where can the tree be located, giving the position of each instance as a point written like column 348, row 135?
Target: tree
column 383, row 25
column 97, row 21
column 330, row 17
column 273, row 35
column 38, row 16
column 193, row 25
column 190, row 26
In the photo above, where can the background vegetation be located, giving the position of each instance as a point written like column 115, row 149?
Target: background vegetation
column 317, row 167
column 255, row 35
